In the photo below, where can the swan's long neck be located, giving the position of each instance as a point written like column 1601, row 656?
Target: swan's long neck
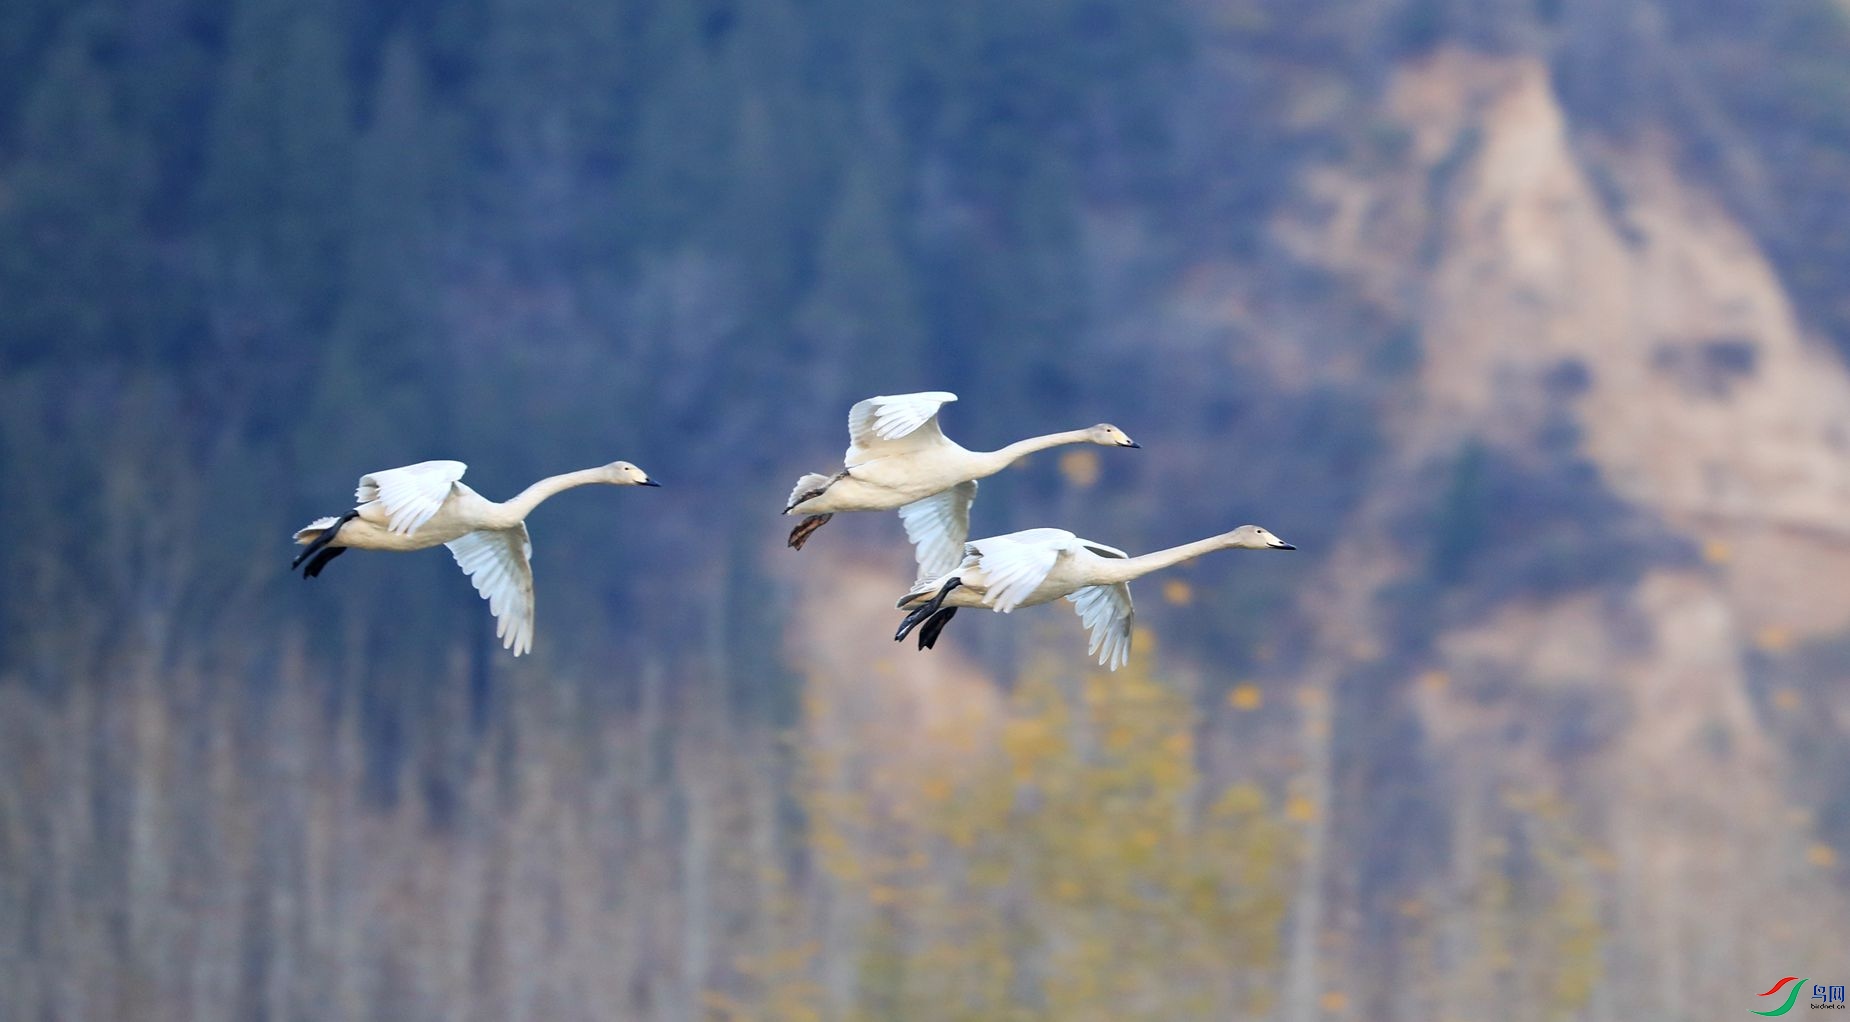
column 996, row 461
column 1113, row 570
column 512, row 512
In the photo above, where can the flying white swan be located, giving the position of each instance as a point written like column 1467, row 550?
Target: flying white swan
column 426, row 504
column 1024, row 569
column 898, row 459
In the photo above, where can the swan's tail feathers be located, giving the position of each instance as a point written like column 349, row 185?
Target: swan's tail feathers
column 924, row 589
column 307, row 533
column 808, row 488
column 315, row 539
column 800, row 534
column 928, row 635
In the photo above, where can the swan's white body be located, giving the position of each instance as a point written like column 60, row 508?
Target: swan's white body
column 1036, row 566
column 899, row 459
column 425, row 505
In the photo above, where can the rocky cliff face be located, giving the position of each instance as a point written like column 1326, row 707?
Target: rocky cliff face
column 1584, row 305
column 1549, row 728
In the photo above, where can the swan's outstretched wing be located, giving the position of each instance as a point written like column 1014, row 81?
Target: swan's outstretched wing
column 883, row 426
column 938, row 526
column 411, row 495
column 497, row 561
column 1015, row 565
column 1107, row 614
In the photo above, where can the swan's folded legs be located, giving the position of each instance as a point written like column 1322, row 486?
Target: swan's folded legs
column 909, row 622
column 928, row 635
column 326, row 537
column 320, row 560
column 926, row 609
column 800, row 534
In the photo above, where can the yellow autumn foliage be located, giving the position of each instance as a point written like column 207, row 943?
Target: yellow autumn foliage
column 1080, row 467
column 1530, row 913
column 1073, row 866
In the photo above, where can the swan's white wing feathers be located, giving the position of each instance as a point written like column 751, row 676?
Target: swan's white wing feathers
column 498, row 561
column 938, row 526
column 1015, row 565
column 411, row 495
column 891, row 424
column 1107, row 614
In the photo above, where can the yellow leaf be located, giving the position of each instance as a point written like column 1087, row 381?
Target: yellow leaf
column 1178, row 592
column 1333, row 1001
column 1245, row 698
column 1716, row 552
column 1244, row 798
column 1299, row 809
column 1143, row 639
column 1080, row 468
column 1773, row 639
column 1786, row 699
column 1821, row 855
column 1435, row 681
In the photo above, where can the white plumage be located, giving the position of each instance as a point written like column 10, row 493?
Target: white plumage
column 898, row 459
column 498, row 562
column 410, row 495
column 1036, row 566
column 895, row 422
column 937, row 525
column 427, row 504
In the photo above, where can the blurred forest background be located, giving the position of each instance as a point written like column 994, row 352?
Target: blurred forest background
column 1526, row 320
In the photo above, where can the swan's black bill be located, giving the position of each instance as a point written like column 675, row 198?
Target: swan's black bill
column 1283, row 546
column 1135, row 444
column 648, row 482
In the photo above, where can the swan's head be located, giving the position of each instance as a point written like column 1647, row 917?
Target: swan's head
column 1106, row 435
column 1252, row 537
column 622, row 473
